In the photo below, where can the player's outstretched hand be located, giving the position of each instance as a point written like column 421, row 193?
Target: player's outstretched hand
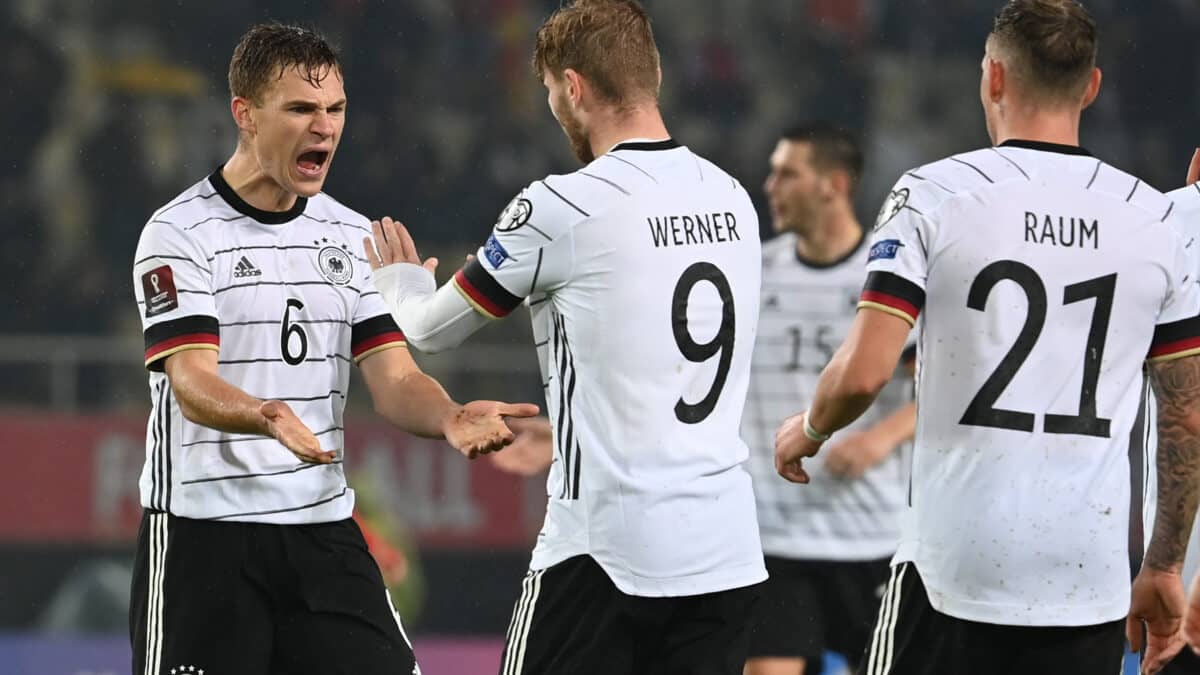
column 478, row 427
column 393, row 244
column 1194, row 168
column 532, row 450
column 1158, row 602
column 854, row 453
column 293, row 434
column 792, row 446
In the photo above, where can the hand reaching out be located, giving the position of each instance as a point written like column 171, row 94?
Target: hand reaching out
column 478, row 427
column 293, row 434
column 791, row 446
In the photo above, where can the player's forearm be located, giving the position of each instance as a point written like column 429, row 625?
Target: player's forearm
column 844, row 392
column 432, row 320
column 898, row 427
column 417, row 404
column 206, row 399
column 1177, row 389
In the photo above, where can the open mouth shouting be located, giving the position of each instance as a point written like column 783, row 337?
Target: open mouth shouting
column 312, row 162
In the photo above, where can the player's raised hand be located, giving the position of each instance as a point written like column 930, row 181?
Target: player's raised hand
column 393, row 244
column 293, row 434
column 854, row 453
column 1194, row 168
column 478, row 427
column 532, row 450
column 791, row 446
column 1158, row 602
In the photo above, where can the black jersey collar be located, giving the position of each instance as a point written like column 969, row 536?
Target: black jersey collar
column 812, row 264
column 668, row 144
column 1046, row 147
column 241, row 206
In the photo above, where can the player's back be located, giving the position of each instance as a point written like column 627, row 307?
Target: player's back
column 647, row 357
column 1044, row 275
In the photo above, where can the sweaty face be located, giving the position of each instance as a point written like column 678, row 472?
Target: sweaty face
column 297, row 128
column 560, row 105
column 793, row 187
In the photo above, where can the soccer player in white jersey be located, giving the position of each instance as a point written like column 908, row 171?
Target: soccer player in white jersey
column 255, row 307
column 828, row 546
column 1046, row 278
column 641, row 272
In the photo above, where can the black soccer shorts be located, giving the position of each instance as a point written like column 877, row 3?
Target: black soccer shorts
column 227, row 598
column 912, row 638
column 808, row 606
column 571, row 618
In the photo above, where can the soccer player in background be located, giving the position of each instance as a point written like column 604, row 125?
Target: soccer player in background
column 254, row 309
column 827, row 546
column 1047, row 278
column 641, row 272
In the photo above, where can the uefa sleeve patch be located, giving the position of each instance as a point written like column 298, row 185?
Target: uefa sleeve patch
column 495, row 253
column 885, row 249
column 158, row 288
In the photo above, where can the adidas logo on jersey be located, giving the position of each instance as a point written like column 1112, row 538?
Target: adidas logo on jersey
column 244, row 268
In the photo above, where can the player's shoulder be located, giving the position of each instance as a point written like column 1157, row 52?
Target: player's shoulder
column 964, row 173
column 1186, row 200
column 198, row 201
column 779, row 249
column 1123, row 186
column 322, row 208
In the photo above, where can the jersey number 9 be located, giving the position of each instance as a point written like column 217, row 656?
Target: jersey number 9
column 722, row 342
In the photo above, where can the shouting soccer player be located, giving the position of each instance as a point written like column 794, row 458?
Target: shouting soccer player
column 255, row 307
column 641, row 272
column 1046, row 278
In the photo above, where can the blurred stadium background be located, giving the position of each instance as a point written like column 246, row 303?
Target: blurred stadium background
column 114, row 106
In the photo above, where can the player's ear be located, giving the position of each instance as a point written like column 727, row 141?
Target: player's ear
column 1093, row 88
column 575, row 86
column 997, row 78
column 242, row 114
column 839, row 182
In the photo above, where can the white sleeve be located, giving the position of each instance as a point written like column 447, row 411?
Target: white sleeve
column 432, row 319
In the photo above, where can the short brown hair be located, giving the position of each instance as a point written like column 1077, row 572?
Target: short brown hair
column 267, row 50
column 833, row 147
column 607, row 41
column 1051, row 44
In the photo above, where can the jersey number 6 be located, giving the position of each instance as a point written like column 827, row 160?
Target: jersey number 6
column 722, row 342
column 287, row 329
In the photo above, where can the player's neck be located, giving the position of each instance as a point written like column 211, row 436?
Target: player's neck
column 254, row 186
column 1061, row 128
column 640, row 123
column 830, row 242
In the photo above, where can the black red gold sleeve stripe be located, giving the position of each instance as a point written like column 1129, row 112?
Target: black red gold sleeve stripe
column 169, row 337
column 1175, row 340
column 374, row 335
column 893, row 294
column 484, row 293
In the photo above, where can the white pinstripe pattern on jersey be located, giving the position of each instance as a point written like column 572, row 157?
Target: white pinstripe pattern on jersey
column 156, row 578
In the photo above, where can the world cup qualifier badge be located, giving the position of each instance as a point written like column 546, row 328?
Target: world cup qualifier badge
column 335, row 263
column 895, row 201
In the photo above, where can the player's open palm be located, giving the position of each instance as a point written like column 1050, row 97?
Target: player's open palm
column 479, row 427
column 393, row 244
column 287, row 428
column 1158, row 601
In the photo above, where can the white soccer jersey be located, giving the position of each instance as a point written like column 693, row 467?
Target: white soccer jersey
column 806, row 312
column 642, row 275
column 288, row 305
column 1187, row 214
column 1046, row 278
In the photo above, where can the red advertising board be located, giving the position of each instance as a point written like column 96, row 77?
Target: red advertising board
column 71, row 478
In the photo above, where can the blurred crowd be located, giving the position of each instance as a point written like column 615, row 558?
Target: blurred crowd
column 115, row 106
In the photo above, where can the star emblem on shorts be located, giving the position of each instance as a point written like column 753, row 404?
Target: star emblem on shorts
column 182, row 670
